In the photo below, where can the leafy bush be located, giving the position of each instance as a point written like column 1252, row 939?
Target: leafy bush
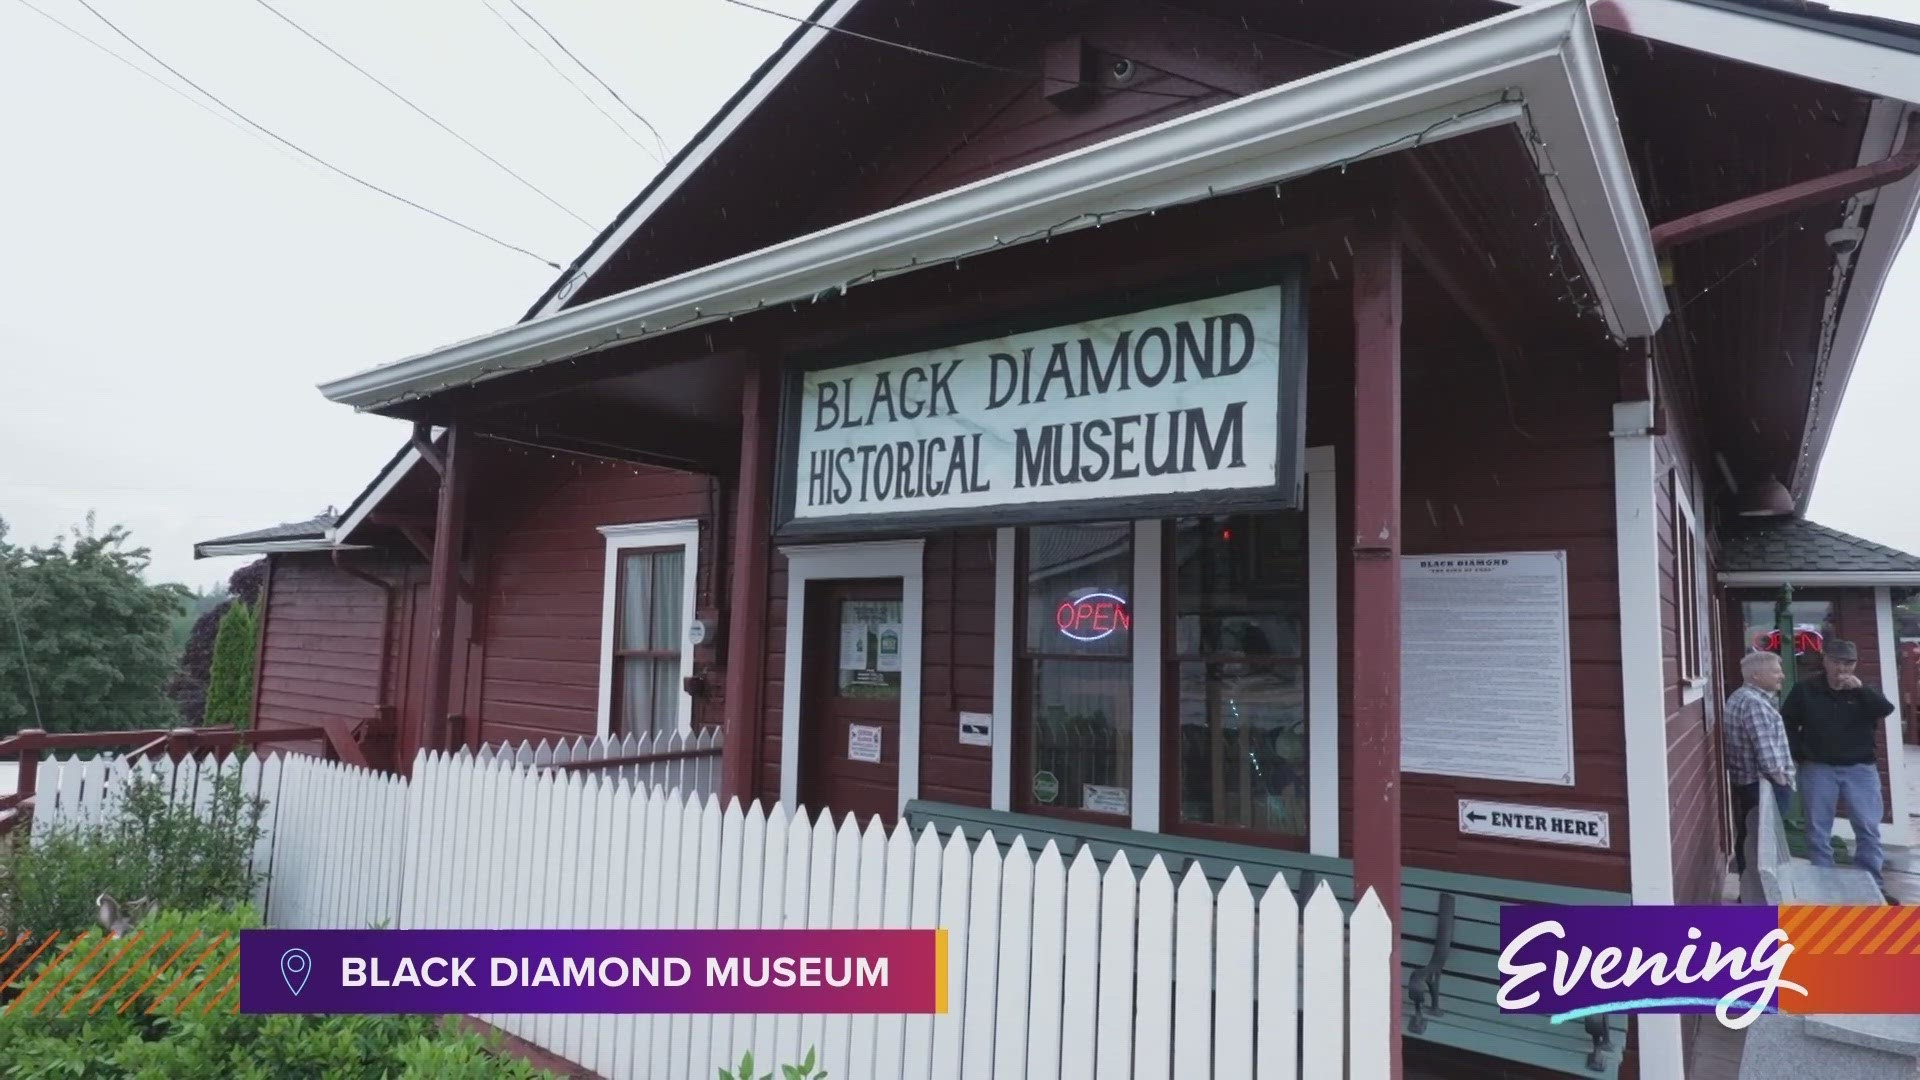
column 803, row 1071
column 230, row 682
column 85, row 1016
column 153, row 844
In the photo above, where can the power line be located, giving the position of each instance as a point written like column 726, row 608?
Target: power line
column 26, row 667
column 184, row 96
column 980, row 64
column 577, row 88
column 596, row 78
column 404, row 100
column 303, row 151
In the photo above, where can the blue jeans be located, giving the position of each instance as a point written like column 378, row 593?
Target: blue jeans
column 1821, row 788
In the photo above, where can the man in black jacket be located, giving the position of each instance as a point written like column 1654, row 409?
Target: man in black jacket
column 1832, row 721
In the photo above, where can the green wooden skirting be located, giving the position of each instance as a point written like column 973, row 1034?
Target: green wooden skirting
column 1466, row 1018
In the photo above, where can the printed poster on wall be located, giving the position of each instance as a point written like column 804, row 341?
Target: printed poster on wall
column 1176, row 404
column 1485, row 668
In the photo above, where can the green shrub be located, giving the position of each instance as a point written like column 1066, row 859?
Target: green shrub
column 806, row 1070
column 230, row 682
column 153, row 844
column 84, row 1016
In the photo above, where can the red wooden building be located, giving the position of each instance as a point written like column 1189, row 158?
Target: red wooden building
column 1290, row 429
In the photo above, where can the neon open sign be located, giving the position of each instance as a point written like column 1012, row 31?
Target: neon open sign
column 1093, row 616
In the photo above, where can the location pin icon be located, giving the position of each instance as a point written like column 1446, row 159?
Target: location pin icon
column 295, row 967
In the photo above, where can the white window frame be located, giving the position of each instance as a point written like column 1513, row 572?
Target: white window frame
column 1323, row 664
column 1692, row 687
column 647, row 535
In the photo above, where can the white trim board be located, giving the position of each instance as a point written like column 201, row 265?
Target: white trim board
column 1538, row 69
column 1850, row 577
column 1897, row 796
column 1636, row 503
column 271, row 547
column 1323, row 664
column 683, row 534
column 903, row 559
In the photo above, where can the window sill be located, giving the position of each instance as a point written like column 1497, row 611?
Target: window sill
column 1692, row 690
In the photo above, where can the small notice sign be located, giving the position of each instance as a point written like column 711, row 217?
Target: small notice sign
column 863, row 743
column 1102, row 799
column 976, row 729
column 1539, row 824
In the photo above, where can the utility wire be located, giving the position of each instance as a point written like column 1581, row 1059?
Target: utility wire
column 404, row 100
column 304, row 152
column 578, row 89
column 980, row 64
column 551, row 36
column 184, row 96
column 20, row 638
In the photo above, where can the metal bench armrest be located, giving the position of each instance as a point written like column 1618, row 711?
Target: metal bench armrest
column 1423, row 985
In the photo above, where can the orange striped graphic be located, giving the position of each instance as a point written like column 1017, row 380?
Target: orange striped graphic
column 104, row 968
column 157, row 971
column 28, row 963
column 77, row 968
column 232, row 955
column 1851, row 930
column 190, row 968
column 28, row 992
column 1900, row 946
column 115, row 988
column 17, row 942
column 233, row 981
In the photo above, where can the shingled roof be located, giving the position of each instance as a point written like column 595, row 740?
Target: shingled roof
column 1795, row 548
column 314, row 529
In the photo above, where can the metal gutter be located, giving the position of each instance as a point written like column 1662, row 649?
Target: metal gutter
column 273, row 547
column 1815, row 577
column 1538, row 68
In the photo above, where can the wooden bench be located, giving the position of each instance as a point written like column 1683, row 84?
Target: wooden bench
column 1450, row 935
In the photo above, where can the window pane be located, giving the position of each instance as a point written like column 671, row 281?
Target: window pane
column 1241, row 586
column 1812, row 623
column 1080, row 734
column 669, row 594
column 666, row 696
column 638, row 703
column 1243, row 746
column 1078, row 590
column 870, row 649
column 1240, row 605
column 636, row 593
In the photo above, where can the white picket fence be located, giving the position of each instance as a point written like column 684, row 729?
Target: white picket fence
column 1059, row 969
column 686, row 762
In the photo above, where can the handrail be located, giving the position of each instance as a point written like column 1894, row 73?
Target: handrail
column 637, row 759
column 27, row 745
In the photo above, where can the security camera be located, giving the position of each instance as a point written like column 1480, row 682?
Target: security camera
column 1844, row 241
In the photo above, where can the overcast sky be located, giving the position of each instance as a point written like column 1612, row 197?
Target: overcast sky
column 174, row 285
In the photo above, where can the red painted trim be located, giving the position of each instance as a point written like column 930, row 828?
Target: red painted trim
column 1376, row 583
column 443, row 590
column 746, row 638
column 1771, row 204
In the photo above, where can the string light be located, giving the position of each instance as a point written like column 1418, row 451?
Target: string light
column 1095, row 218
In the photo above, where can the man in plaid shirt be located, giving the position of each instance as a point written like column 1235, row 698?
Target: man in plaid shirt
column 1756, row 743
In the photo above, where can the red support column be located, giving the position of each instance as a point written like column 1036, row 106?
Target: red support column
column 1376, row 585
column 443, row 591
column 747, row 609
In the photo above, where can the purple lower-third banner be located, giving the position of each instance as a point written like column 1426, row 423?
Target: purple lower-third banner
column 593, row 971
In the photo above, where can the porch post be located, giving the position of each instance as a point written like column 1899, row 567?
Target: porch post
column 1376, row 586
column 443, row 588
column 747, row 607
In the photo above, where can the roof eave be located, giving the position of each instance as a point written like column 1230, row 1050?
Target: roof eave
column 1814, row 578
column 1537, row 68
column 272, row 547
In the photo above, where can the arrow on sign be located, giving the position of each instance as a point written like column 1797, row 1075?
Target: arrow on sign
column 1476, row 817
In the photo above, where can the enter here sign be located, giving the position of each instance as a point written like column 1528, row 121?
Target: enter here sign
column 1539, row 824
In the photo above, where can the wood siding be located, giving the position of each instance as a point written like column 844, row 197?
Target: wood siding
column 543, row 571
column 322, row 646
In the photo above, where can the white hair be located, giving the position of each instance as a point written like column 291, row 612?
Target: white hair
column 1756, row 660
